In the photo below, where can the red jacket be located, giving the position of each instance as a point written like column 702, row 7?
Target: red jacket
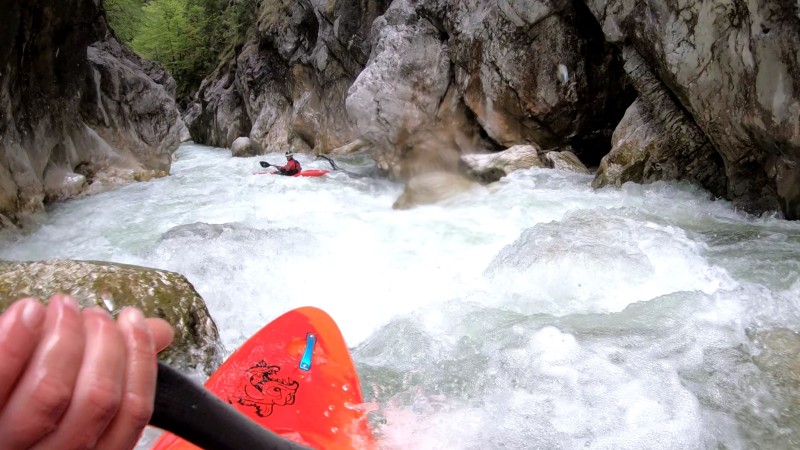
column 292, row 167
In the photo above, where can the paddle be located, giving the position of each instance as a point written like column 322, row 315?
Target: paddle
column 266, row 164
column 188, row 410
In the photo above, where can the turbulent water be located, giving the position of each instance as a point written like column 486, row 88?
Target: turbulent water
column 535, row 313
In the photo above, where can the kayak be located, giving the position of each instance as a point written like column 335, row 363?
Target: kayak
column 302, row 173
column 295, row 377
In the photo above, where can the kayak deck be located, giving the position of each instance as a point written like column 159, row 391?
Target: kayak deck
column 296, row 378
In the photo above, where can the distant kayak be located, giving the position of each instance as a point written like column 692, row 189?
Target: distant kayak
column 303, row 173
column 296, row 378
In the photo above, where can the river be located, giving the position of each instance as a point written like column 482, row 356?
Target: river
column 533, row 313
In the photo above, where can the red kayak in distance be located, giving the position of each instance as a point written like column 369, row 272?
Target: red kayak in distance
column 302, row 173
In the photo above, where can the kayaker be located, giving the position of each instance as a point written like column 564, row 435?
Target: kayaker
column 73, row 378
column 292, row 167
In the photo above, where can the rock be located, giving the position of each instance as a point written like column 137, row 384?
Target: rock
column 489, row 168
column 73, row 100
column 564, row 160
column 62, row 184
column 432, row 187
column 406, row 79
column 242, row 147
column 350, row 147
column 220, row 117
column 287, row 83
column 533, row 72
column 657, row 140
column 132, row 113
column 113, row 286
column 731, row 66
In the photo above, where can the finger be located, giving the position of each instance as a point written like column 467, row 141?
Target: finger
column 20, row 331
column 162, row 333
column 140, row 384
column 45, row 389
column 98, row 390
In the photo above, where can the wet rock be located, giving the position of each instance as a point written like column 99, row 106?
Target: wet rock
column 564, row 160
column 406, row 79
column 113, row 286
column 242, row 147
column 73, row 100
column 732, row 67
column 432, row 187
column 491, row 167
column 657, row 140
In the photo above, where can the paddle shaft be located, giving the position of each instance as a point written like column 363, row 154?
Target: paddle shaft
column 186, row 409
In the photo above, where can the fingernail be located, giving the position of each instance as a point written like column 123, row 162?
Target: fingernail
column 32, row 315
column 69, row 301
column 134, row 316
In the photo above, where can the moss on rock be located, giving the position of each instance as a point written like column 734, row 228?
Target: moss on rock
column 113, row 286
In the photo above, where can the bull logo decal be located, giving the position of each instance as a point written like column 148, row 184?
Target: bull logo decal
column 262, row 389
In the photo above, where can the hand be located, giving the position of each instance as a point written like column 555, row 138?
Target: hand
column 76, row 379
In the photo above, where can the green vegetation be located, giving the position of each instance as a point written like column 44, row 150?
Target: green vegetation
column 186, row 36
column 125, row 16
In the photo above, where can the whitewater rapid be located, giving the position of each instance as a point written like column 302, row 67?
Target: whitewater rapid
column 533, row 313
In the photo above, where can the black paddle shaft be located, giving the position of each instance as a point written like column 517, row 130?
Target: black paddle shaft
column 188, row 410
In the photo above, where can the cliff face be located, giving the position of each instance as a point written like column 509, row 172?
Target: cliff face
column 733, row 68
column 288, row 82
column 77, row 110
column 655, row 90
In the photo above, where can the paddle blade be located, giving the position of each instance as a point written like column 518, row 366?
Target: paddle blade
column 264, row 164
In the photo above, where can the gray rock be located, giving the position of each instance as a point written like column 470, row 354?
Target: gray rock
column 406, row 79
column 564, row 160
column 287, row 84
column 242, row 147
column 432, row 187
column 114, row 286
column 657, row 140
column 72, row 99
column 491, row 167
column 732, row 67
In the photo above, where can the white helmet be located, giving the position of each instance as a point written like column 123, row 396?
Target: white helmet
column 289, row 153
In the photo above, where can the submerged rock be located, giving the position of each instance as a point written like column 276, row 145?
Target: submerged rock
column 114, row 286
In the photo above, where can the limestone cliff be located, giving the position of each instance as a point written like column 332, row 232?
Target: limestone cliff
column 78, row 112
column 731, row 67
column 646, row 90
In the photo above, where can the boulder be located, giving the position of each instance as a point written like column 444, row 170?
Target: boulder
column 432, row 187
column 489, row 168
column 242, row 147
column 657, row 140
column 114, row 286
column 564, row 160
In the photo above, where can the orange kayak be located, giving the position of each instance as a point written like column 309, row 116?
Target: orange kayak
column 295, row 377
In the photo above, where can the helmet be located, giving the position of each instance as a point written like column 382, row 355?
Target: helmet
column 289, row 153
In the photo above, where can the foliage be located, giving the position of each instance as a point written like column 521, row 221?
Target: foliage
column 125, row 17
column 185, row 36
